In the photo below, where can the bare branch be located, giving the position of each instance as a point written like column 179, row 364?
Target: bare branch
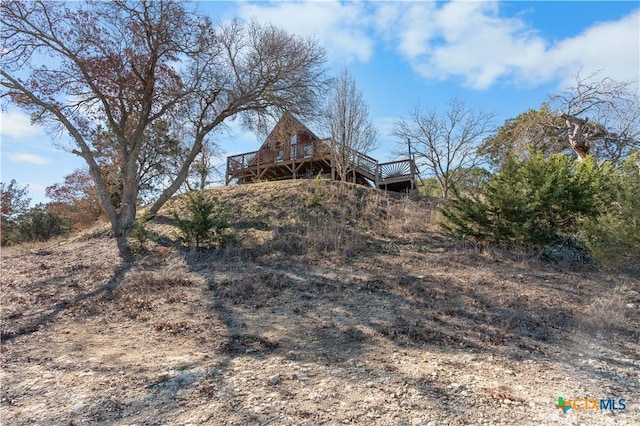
column 347, row 119
column 125, row 66
column 446, row 144
column 602, row 116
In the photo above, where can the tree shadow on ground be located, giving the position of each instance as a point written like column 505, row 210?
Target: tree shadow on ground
column 32, row 320
column 290, row 312
column 315, row 322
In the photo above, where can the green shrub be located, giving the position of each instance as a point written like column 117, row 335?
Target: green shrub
column 429, row 187
column 206, row 222
column 614, row 237
column 140, row 234
column 36, row 224
column 318, row 193
column 535, row 201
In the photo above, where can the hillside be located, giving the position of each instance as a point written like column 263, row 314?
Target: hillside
column 336, row 305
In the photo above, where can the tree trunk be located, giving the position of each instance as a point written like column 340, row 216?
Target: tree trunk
column 123, row 248
column 577, row 137
column 127, row 216
column 180, row 177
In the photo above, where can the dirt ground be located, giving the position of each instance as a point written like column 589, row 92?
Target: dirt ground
column 421, row 332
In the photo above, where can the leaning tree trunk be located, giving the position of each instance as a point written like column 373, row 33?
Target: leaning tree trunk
column 578, row 137
column 181, row 176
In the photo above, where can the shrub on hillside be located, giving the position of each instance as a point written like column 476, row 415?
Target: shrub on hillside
column 205, row 223
column 35, row 224
column 532, row 202
column 614, row 237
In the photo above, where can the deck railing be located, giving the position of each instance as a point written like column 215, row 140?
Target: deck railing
column 248, row 162
column 366, row 164
column 396, row 170
column 239, row 162
column 381, row 173
column 266, row 156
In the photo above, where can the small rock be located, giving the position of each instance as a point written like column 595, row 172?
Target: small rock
column 338, row 371
column 315, row 396
column 274, row 380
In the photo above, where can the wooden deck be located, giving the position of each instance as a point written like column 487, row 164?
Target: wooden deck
column 312, row 158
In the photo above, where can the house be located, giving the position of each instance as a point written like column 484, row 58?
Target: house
column 292, row 151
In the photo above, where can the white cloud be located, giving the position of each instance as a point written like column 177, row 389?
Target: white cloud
column 610, row 47
column 464, row 39
column 17, row 125
column 24, row 157
column 472, row 41
column 415, row 37
column 341, row 27
column 469, row 40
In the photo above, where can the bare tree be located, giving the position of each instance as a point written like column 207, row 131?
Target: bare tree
column 446, row 143
column 126, row 65
column 600, row 117
column 347, row 118
column 203, row 169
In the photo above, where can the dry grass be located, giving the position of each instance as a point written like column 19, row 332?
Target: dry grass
column 316, row 217
column 620, row 304
column 337, row 304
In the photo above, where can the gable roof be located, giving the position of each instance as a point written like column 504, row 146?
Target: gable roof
column 287, row 126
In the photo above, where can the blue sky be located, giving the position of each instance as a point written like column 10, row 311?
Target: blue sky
column 502, row 57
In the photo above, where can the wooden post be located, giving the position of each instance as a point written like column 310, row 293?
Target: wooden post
column 258, row 163
column 333, row 159
column 293, row 151
column 413, row 174
column 411, row 164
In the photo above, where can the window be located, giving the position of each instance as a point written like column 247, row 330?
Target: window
column 294, row 141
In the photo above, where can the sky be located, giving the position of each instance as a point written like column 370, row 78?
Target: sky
column 500, row 57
